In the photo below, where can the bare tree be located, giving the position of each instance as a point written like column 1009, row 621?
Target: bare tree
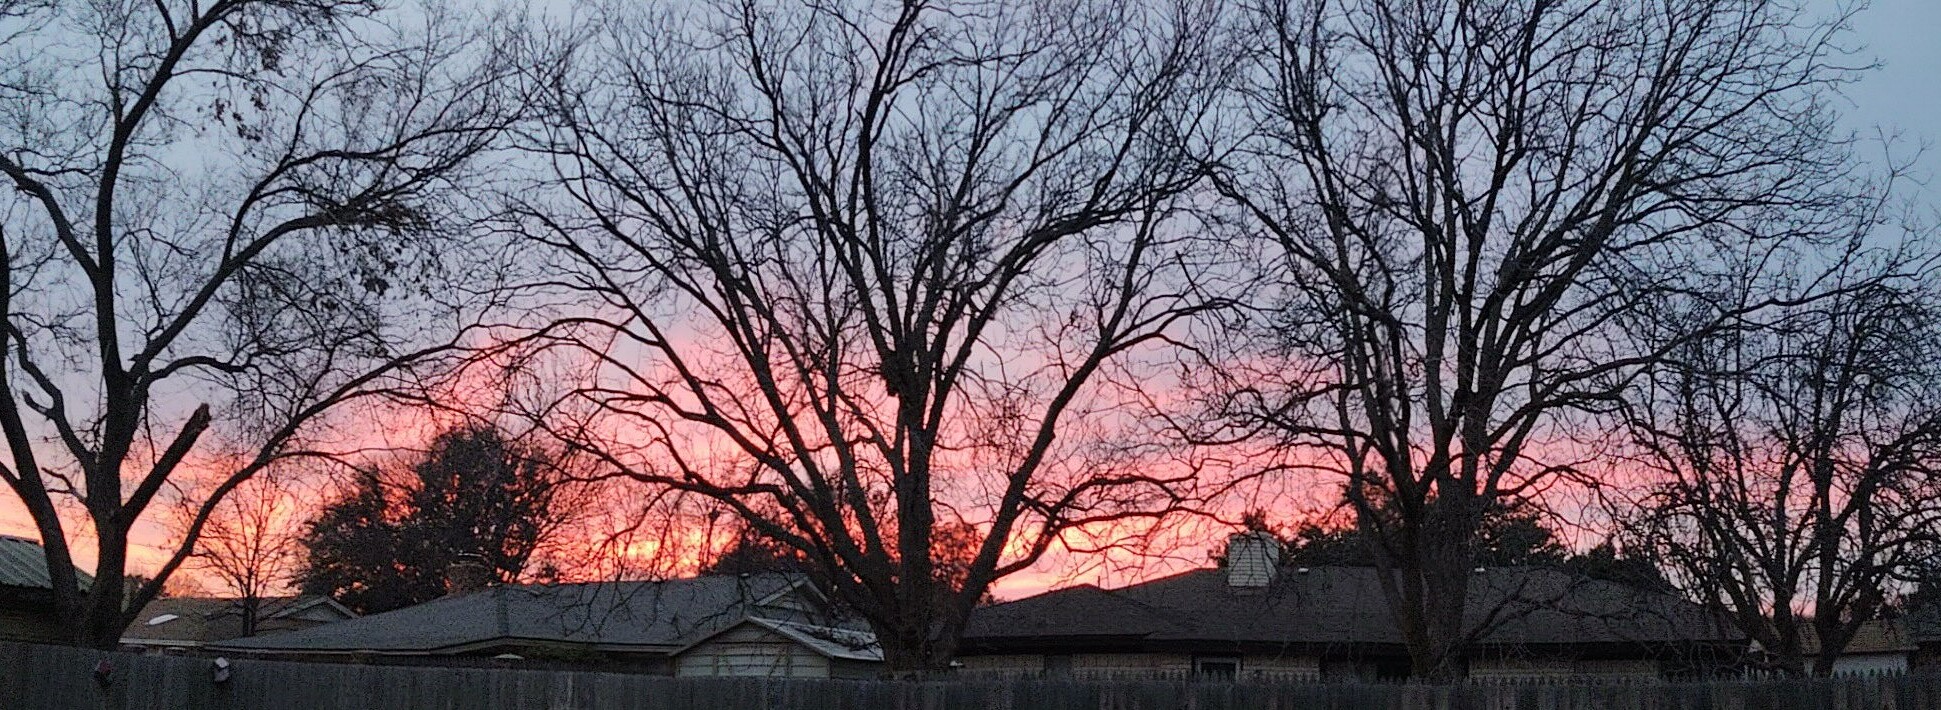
column 1479, row 206
column 1796, row 479
column 224, row 221
column 867, row 270
column 251, row 544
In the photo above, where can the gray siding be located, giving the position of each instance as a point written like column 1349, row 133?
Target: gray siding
column 750, row 650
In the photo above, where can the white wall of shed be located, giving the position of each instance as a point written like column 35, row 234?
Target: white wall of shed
column 750, row 650
column 1870, row 664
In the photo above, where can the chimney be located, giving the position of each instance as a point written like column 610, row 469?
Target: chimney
column 1252, row 558
column 466, row 574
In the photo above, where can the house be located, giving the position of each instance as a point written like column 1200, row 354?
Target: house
column 179, row 624
column 757, row 624
column 27, row 593
column 1256, row 618
column 1879, row 646
column 1924, row 631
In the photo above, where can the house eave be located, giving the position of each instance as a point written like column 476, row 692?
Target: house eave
column 161, row 643
column 1151, row 644
column 459, row 649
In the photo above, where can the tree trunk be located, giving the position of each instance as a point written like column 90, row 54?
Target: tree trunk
column 1793, row 664
column 101, row 613
column 911, row 650
column 1443, row 565
column 1428, row 592
column 1441, row 658
column 1823, row 662
column 251, row 605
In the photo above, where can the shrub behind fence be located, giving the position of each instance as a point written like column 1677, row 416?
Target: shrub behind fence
column 56, row 677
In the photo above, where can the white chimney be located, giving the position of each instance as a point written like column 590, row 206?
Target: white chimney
column 1252, row 557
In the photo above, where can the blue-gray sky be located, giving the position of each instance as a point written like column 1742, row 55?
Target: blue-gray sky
column 1905, row 92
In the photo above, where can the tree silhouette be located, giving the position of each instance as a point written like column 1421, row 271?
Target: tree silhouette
column 954, row 549
column 753, row 553
column 1607, row 562
column 251, row 543
column 1479, row 213
column 222, row 221
column 387, row 544
column 857, row 271
column 1509, row 536
column 353, row 549
column 1789, row 470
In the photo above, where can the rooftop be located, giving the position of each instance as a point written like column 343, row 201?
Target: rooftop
column 644, row 616
column 1344, row 605
column 196, row 620
column 24, row 564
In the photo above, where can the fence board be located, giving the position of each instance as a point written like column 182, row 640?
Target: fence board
column 33, row 677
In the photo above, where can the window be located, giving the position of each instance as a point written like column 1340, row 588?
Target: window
column 1217, row 667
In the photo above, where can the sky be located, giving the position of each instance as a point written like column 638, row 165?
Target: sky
column 1904, row 93
column 1902, row 96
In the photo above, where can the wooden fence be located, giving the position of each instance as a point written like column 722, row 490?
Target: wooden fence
column 55, row 677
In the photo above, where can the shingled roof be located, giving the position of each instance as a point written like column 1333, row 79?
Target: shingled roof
column 1335, row 606
column 191, row 621
column 1075, row 612
column 634, row 616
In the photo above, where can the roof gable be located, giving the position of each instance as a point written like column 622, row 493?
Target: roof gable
column 827, row 641
column 316, row 607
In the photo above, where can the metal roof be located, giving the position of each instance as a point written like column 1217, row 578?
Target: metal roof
column 24, row 564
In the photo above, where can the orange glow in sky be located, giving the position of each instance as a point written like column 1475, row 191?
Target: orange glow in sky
column 626, row 542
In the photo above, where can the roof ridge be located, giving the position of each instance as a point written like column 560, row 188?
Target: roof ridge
column 1048, row 592
column 498, row 601
column 668, row 580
